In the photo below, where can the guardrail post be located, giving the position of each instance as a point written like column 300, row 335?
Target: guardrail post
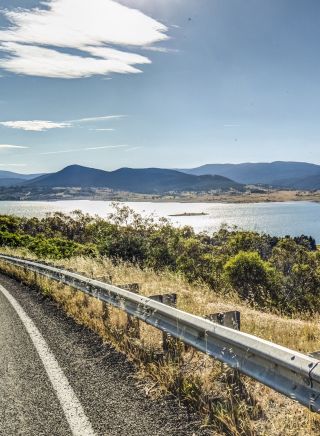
column 35, row 277
column 315, row 354
column 133, row 326
column 105, row 314
column 169, row 344
column 105, row 306
column 232, row 320
column 132, row 287
column 227, row 319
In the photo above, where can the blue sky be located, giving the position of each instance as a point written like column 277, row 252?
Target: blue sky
column 166, row 83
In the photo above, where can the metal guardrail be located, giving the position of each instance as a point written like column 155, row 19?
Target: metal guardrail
column 286, row 371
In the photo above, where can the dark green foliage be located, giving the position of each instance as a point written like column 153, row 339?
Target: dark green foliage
column 253, row 278
column 42, row 239
column 307, row 241
column 272, row 272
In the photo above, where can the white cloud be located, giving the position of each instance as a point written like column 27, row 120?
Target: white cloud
column 103, row 118
column 44, row 62
column 35, row 125
column 9, row 146
column 36, row 37
column 84, row 149
column 43, row 125
column 105, row 146
column 117, row 55
column 160, row 49
column 103, row 130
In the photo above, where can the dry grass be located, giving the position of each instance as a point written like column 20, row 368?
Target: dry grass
column 228, row 404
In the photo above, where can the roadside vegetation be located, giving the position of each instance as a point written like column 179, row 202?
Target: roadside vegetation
column 273, row 282
column 277, row 274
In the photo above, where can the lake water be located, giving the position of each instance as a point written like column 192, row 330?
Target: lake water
column 291, row 218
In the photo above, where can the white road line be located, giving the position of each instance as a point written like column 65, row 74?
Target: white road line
column 74, row 413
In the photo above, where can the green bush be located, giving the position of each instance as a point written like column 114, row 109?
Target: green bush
column 253, row 278
column 54, row 248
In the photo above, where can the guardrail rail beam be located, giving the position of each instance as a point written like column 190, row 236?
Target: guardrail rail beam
column 289, row 372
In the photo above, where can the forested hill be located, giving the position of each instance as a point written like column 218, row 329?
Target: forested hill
column 147, row 180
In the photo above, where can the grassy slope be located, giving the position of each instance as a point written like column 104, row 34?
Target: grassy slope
column 202, row 378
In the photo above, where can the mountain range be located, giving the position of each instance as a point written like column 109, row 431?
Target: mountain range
column 8, row 178
column 292, row 175
column 287, row 175
column 145, row 181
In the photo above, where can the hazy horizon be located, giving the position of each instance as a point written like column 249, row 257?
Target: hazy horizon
column 23, row 171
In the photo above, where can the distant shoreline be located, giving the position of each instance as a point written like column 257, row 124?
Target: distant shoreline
column 90, row 194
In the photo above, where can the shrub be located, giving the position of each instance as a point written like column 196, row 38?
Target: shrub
column 252, row 277
column 54, row 248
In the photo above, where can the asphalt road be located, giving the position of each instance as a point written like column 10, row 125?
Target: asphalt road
column 58, row 378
